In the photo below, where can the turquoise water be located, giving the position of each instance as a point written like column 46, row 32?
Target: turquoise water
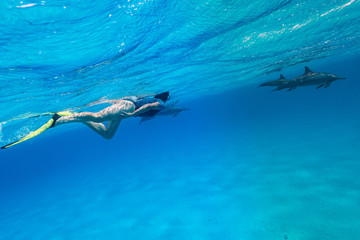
column 242, row 163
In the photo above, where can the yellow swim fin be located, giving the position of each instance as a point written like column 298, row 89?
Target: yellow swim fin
column 43, row 128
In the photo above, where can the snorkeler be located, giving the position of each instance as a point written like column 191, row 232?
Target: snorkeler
column 122, row 108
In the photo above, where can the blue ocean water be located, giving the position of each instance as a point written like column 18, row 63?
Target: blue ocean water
column 242, row 163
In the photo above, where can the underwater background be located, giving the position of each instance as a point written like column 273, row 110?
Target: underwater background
column 242, row 163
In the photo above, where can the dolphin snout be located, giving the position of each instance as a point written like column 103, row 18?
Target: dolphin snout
column 263, row 85
column 338, row 77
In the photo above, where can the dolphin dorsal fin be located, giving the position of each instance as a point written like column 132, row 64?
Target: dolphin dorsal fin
column 282, row 77
column 307, row 70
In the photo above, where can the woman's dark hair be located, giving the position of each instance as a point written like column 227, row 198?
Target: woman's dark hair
column 163, row 96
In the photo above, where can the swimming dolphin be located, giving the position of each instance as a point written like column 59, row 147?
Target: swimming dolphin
column 277, row 82
column 170, row 109
column 309, row 78
column 312, row 78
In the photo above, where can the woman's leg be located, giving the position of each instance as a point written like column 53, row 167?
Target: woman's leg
column 108, row 114
column 82, row 117
column 106, row 132
column 112, row 114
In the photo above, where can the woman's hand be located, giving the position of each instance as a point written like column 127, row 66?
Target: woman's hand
column 124, row 114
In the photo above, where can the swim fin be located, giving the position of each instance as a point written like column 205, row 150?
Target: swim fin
column 43, row 128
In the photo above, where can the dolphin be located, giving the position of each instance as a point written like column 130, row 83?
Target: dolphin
column 170, row 109
column 277, row 82
column 309, row 78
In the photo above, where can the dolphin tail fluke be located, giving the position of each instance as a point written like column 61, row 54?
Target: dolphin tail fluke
column 266, row 84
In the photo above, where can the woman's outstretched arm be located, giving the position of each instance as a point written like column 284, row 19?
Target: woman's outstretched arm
column 143, row 109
